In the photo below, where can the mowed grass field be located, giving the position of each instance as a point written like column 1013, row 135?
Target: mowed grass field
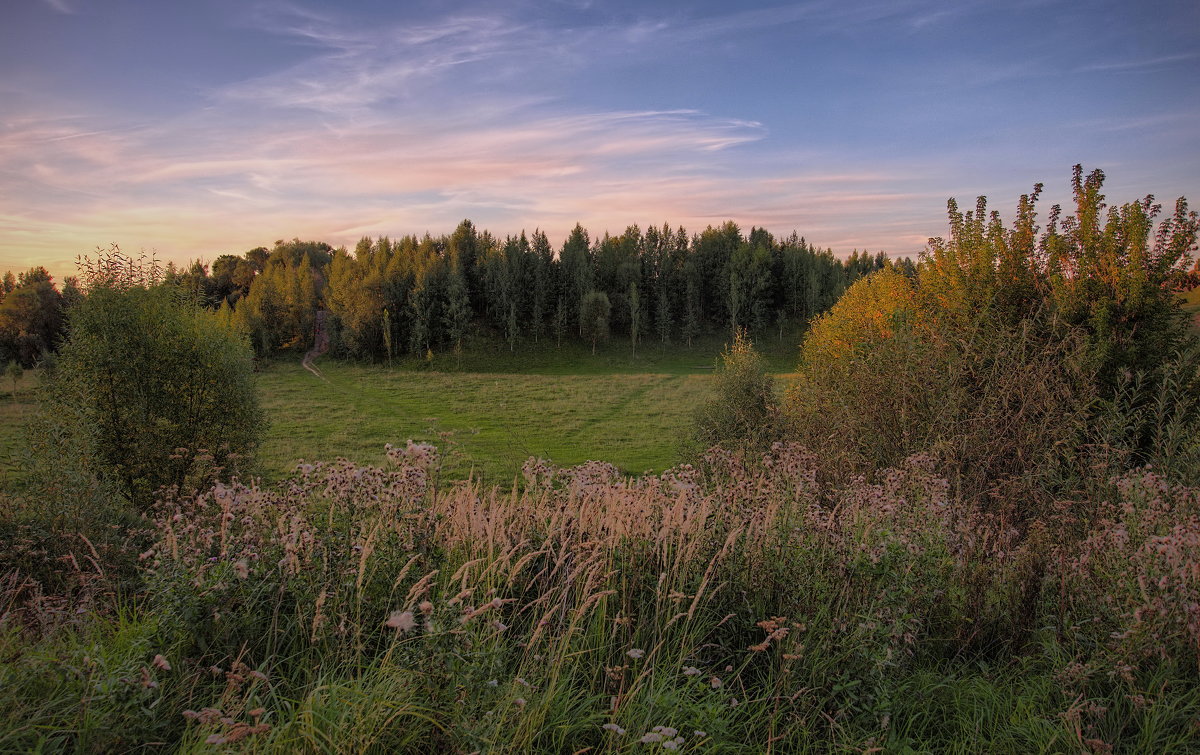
column 1191, row 305
column 497, row 408
column 14, row 411
column 495, row 421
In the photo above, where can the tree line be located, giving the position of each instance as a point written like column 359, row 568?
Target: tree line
column 389, row 297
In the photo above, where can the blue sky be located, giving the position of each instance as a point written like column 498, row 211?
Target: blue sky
column 196, row 129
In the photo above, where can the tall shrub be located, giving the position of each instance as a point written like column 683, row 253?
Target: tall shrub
column 155, row 390
column 743, row 408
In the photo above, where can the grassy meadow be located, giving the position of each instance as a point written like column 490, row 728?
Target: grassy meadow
column 495, row 421
column 14, row 409
column 1191, row 305
column 497, row 408
column 493, row 407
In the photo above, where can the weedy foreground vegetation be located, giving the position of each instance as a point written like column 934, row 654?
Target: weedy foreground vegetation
column 971, row 524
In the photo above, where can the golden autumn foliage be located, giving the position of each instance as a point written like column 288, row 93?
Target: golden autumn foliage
column 868, row 311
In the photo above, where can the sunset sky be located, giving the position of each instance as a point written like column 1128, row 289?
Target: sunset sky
column 202, row 128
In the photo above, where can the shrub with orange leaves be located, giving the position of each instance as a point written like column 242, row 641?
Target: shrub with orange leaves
column 870, row 310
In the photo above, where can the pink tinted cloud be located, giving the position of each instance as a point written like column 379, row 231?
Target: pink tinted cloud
column 200, row 190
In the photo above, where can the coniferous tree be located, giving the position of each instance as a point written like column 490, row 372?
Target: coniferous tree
column 420, row 312
column 594, row 312
column 693, row 313
column 456, row 315
column 562, row 320
column 663, row 315
column 635, row 315
column 510, row 327
column 576, row 266
column 542, row 260
column 387, row 334
column 750, row 295
column 464, row 247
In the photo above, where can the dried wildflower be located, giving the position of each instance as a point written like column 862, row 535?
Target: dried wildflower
column 691, row 671
column 241, row 568
column 1098, row 745
column 520, row 701
column 402, row 621
column 426, row 607
column 715, row 682
column 238, row 732
column 635, row 653
column 699, row 733
column 651, row 737
column 161, row 663
column 613, row 728
column 771, row 624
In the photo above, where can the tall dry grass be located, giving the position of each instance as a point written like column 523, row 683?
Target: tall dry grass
column 746, row 604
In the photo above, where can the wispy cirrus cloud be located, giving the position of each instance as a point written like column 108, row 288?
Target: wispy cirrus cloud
column 1138, row 64
column 821, row 16
column 355, row 68
column 59, row 6
column 344, row 121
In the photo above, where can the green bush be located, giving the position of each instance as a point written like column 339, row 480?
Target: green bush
column 1153, row 419
column 1015, row 345
column 153, row 389
column 743, row 408
column 1108, row 272
column 994, row 404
